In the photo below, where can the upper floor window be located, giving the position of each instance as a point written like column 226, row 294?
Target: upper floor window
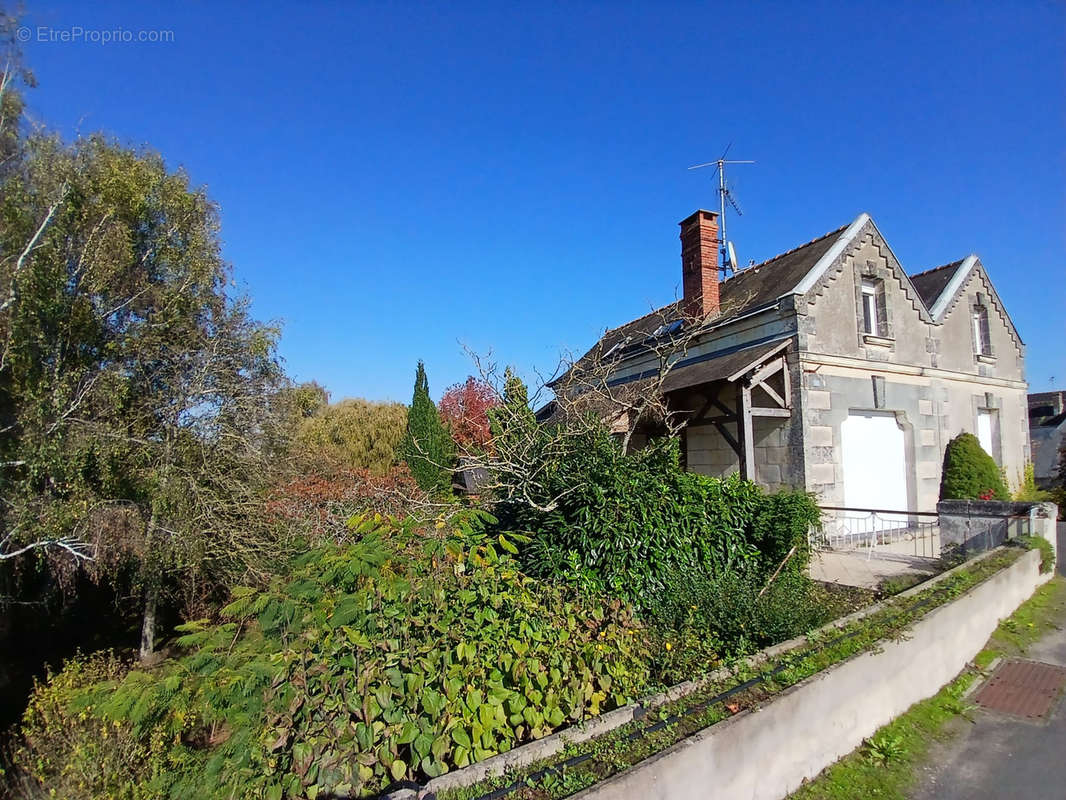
column 874, row 314
column 982, row 343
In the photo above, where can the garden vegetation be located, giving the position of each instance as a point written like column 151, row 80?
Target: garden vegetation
column 304, row 608
column 970, row 473
column 415, row 648
column 353, row 434
column 405, row 654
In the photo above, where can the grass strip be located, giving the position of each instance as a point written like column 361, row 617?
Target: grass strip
column 579, row 766
column 888, row 765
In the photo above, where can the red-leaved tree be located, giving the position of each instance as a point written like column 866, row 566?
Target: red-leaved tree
column 464, row 409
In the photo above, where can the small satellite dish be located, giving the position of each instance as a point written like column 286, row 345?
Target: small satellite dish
column 732, row 255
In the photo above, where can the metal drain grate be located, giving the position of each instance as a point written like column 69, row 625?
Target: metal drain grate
column 1023, row 688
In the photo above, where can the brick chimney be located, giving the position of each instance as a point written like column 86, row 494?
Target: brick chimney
column 699, row 263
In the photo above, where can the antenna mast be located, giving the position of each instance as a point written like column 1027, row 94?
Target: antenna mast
column 727, row 259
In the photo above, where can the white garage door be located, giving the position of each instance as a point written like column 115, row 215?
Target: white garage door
column 874, row 461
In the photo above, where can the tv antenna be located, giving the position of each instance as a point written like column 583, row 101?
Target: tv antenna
column 728, row 258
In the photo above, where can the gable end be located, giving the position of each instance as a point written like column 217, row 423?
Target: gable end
column 861, row 232
column 970, row 270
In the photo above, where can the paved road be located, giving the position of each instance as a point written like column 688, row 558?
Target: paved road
column 1004, row 757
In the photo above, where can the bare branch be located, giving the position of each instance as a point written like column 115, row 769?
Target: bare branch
column 79, row 550
column 21, row 261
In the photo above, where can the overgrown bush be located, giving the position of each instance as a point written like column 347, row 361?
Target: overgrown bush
column 629, row 523
column 734, row 613
column 363, row 668
column 970, row 473
column 351, row 435
column 68, row 749
column 316, row 508
column 1028, row 491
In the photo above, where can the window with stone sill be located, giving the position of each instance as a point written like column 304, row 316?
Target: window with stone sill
column 873, row 320
column 982, row 341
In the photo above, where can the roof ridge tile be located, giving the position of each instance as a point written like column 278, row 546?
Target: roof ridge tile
column 934, row 269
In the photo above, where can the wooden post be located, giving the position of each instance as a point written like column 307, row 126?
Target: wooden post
column 745, row 434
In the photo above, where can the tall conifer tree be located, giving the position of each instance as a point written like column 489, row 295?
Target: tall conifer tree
column 427, row 447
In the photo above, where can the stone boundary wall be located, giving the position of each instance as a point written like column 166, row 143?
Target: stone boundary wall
column 979, row 525
column 766, row 753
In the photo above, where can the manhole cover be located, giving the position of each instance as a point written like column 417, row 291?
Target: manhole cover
column 1023, row 688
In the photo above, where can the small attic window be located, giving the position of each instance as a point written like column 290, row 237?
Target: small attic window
column 982, row 340
column 874, row 314
column 617, row 347
column 668, row 328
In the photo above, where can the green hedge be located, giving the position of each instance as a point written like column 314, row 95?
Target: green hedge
column 970, row 473
column 630, row 523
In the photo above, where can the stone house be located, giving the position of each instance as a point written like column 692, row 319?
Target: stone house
column 828, row 368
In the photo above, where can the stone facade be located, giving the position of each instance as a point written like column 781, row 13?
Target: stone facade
column 932, row 379
column 935, row 352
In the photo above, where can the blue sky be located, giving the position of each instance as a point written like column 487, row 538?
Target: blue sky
column 397, row 178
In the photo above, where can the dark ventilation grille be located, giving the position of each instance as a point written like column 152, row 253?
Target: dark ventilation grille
column 1023, row 688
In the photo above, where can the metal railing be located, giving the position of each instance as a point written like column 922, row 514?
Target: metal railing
column 878, row 532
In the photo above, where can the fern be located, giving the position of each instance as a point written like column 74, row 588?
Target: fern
column 196, row 639
column 239, row 608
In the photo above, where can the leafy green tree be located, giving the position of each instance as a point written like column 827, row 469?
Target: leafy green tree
column 515, row 411
column 351, row 434
column 970, row 473
column 307, row 399
column 14, row 77
column 138, row 398
column 427, row 447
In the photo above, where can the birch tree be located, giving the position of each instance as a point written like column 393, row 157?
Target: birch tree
column 137, row 394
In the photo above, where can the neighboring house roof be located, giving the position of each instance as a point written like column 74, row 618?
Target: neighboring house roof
column 1044, row 406
column 1045, row 441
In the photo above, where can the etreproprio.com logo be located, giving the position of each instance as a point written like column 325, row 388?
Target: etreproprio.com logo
column 76, row 34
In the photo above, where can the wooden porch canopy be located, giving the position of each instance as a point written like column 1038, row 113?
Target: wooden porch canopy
column 759, row 372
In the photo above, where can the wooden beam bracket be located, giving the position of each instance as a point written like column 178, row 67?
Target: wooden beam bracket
column 783, row 413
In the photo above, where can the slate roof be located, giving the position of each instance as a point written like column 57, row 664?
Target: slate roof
column 931, row 283
column 761, row 285
column 743, row 291
column 634, row 331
